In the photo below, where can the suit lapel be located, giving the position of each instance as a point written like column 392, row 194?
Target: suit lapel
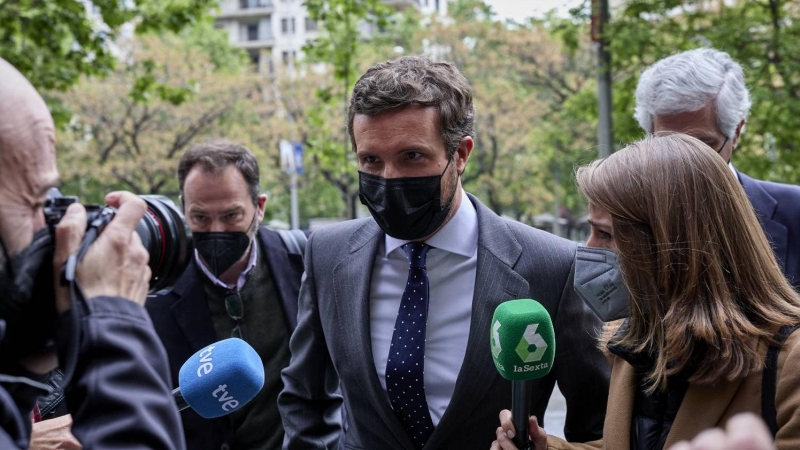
column 765, row 206
column 495, row 282
column 283, row 273
column 351, row 286
column 191, row 311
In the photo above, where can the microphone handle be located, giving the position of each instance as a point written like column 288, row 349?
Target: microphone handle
column 520, row 411
column 179, row 400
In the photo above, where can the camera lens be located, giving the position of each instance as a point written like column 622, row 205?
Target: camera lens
column 168, row 240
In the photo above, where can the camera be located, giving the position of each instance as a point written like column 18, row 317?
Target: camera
column 31, row 327
column 163, row 231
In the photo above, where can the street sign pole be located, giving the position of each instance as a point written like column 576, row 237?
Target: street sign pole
column 604, row 126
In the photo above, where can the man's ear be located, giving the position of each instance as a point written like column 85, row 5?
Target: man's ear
column 739, row 131
column 261, row 206
column 462, row 153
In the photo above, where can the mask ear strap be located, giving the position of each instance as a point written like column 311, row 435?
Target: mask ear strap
column 449, row 160
column 455, row 185
column 253, row 223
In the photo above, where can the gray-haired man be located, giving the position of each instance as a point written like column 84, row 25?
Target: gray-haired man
column 702, row 93
column 411, row 125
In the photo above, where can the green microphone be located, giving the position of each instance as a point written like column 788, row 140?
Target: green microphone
column 523, row 348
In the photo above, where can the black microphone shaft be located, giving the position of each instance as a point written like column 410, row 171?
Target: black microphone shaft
column 179, row 400
column 520, row 410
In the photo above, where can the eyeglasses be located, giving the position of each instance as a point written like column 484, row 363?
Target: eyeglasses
column 235, row 308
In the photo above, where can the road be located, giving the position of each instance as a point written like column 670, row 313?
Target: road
column 556, row 414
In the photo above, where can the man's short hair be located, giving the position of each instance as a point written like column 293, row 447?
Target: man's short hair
column 417, row 80
column 216, row 155
column 690, row 81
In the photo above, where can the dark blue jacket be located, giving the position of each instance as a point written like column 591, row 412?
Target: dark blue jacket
column 119, row 396
column 778, row 208
column 183, row 322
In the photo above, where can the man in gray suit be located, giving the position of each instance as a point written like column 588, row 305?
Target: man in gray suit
column 395, row 309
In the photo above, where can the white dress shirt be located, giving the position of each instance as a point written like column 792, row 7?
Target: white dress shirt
column 242, row 276
column 451, row 265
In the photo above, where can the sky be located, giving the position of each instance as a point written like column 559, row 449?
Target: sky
column 520, row 9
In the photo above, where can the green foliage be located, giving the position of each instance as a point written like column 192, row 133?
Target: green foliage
column 341, row 25
column 344, row 28
column 54, row 42
column 127, row 130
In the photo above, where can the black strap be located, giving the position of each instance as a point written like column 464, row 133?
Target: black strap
column 294, row 240
column 769, row 379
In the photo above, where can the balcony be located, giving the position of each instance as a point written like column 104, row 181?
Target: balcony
column 244, row 9
column 260, row 42
column 401, row 4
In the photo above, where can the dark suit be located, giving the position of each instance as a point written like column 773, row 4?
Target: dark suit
column 332, row 342
column 183, row 322
column 778, row 209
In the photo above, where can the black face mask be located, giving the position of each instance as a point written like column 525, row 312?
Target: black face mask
column 221, row 249
column 27, row 296
column 405, row 208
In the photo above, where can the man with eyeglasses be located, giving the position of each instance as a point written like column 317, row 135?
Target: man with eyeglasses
column 243, row 282
column 702, row 93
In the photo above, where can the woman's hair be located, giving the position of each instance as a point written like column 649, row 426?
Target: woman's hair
column 701, row 274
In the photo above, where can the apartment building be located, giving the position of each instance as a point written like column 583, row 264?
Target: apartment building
column 273, row 31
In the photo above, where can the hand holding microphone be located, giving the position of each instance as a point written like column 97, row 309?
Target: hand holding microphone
column 523, row 348
column 219, row 379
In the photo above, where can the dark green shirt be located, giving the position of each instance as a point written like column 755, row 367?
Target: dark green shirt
column 257, row 425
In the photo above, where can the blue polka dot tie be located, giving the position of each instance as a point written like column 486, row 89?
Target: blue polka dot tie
column 405, row 368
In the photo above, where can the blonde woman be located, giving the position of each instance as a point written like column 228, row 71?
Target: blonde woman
column 703, row 300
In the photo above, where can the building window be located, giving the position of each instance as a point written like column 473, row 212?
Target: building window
column 247, row 4
column 285, row 56
column 287, row 25
column 255, row 58
column 252, row 32
column 311, row 25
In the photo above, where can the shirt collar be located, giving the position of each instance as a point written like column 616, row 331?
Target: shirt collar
column 242, row 277
column 459, row 235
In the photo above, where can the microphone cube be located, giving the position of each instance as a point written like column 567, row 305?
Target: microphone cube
column 221, row 378
column 522, row 340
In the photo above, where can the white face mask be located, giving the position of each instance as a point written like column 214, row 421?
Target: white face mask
column 598, row 281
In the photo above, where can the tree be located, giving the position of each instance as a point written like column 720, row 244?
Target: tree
column 524, row 82
column 129, row 128
column 54, row 42
column 345, row 25
column 763, row 36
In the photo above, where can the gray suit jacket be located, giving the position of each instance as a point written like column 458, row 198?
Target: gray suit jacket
column 332, row 343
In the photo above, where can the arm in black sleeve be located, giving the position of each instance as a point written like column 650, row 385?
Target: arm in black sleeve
column 120, row 394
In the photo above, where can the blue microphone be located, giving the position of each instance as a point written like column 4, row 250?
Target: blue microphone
column 220, row 378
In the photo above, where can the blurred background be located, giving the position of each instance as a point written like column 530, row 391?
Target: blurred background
column 135, row 83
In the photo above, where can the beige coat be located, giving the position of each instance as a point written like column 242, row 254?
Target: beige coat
column 705, row 407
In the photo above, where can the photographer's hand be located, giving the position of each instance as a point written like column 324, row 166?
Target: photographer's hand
column 116, row 264
column 69, row 233
column 54, row 434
